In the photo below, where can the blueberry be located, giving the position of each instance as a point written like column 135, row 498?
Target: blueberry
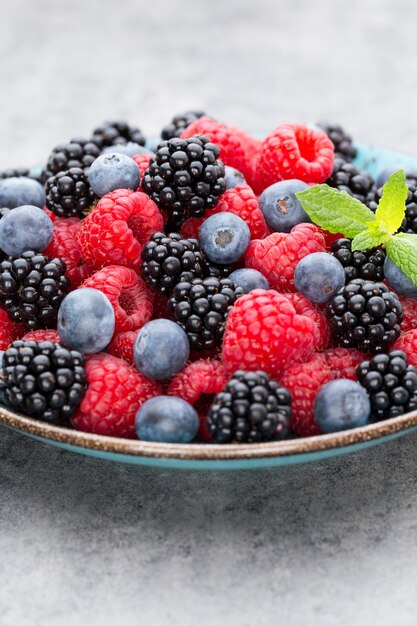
column 397, row 279
column 86, row 320
column 130, row 149
column 161, row 349
column 280, row 207
column 318, row 276
column 20, row 191
column 249, row 279
column 224, row 237
column 233, row 177
column 341, row 404
column 113, row 171
column 167, row 419
column 25, row 228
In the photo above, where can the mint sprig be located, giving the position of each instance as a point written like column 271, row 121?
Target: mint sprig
column 337, row 212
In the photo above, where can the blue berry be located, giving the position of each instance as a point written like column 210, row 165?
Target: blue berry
column 233, row 177
column 20, row 191
column 86, row 320
column 398, row 280
column 161, row 349
column 25, row 228
column 224, row 237
column 167, row 419
column 249, row 279
column 130, row 149
column 341, row 404
column 280, row 207
column 318, row 276
column 113, row 171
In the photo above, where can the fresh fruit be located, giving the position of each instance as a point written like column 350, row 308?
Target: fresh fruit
column 304, row 306
column 391, row 384
column 341, row 404
column 37, row 173
column 142, row 161
column 224, row 238
column 64, row 245
column 9, row 331
column 113, row 171
column 48, row 334
column 233, row 177
column 346, row 177
column 342, row 142
column 86, row 320
column 122, row 346
column 167, row 419
column 78, row 153
column 21, row 191
column 409, row 306
column 130, row 149
column 318, row 276
column 398, row 281
column 343, row 361
column 280, row 206
column 69, row 194
column 251, row 407
column 116, row 133
column 161, row 349
column 43, row 380
column 367, row 264
column 25, row 228
column 248, row 279
column 179, row 123
column 407, row 343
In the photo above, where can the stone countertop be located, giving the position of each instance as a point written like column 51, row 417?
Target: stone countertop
column 88, row 541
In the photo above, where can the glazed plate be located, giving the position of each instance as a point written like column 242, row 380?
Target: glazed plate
column 230, row 456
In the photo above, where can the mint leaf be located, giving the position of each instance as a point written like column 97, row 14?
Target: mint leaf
column 391, row 208
column 334, row 210
column 364, row 240
column 402, row 249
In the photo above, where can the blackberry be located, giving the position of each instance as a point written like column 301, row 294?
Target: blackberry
column 32, row 288
column 365, row 315
column 347, row 177
column 185, row 177
column 200, row 306
column 367, row 264
column 250, row 408
column 37, row 174
column 43, row 379
column 179, row 123
column 391, row 384
column 78, row 152
column 115, row 133
column 167, row 259
column 68, row 194
column 343, row 144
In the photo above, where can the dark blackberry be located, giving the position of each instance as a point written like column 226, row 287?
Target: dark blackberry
column 200, row 306
column 185, row 178
column 68, row 194
column 43, row 380
column 409, row 224
column 116, row 133
column 78, row 152
column 179, row 123
column 167, row 259
column 37, row 174
column 347, row 177
column 250, row 408
column 343, row 144
column 367, row 264
column 31, row 289
column 391, row 384
column 365, row 315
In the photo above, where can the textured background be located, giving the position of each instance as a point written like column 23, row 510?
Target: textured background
column 84, row 541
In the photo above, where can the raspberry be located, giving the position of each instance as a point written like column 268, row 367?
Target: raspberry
column 113, row 232
column 303, row 306
column 409, row 313
column 122, row 346
column 142, row 161
column 251, row 144
column 130, row 297
column 64, row 246
column 198, row 383
column 42, row 335
column 9, row 331
column 114, row 394
column 407, row 343
column 304, row 380
column 277, row 255
column 293, row 151
column 343, row 361
column 264, row 332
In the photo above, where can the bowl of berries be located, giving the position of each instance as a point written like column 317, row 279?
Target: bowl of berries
column 210, row 300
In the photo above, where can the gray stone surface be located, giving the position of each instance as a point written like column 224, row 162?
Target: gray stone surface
column 85, row 541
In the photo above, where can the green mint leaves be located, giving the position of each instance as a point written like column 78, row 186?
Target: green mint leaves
column 337, row 212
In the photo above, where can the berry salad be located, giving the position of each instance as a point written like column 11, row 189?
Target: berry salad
column 209, row 287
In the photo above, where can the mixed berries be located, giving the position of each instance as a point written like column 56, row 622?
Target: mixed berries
column 201, row 292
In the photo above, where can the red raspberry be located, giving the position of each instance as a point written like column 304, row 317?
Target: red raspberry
column 197, row 384
column 263, row 331
column 294, row 151
column 409, row 314
column 344, row 361
column 50, row 214
column 9, row 331
column 42, row 335
column 114, row 394
column 303, row 306
column 130, row 297
column 122, row 346
column 277, row 255
column 64, row 246
column 407, row 342
column 142, row 161
column 304, row 381
column 252, row 144
column 113, row 231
